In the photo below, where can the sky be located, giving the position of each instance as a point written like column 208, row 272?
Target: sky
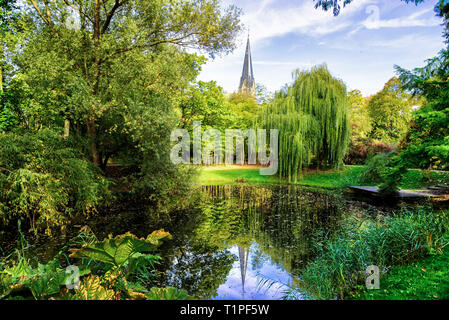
column 360, row 46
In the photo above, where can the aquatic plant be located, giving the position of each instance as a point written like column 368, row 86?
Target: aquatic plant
column 168, row 293
column 340, row 261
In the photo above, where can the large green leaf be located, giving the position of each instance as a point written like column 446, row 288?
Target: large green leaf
column 117, row 251
column 90, row 289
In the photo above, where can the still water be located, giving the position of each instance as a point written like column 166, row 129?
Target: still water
column 231, row 242
column 240, row 242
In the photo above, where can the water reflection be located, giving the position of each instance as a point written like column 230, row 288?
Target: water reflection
column 244, row 279
column 233, row 237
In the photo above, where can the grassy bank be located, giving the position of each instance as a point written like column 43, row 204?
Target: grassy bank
column 232, row 175
column 427, row 279
column 403, row 246
column 349, row 175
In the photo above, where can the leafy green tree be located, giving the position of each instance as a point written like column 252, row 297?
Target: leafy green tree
column 361, row 145
column 360, row 118
column 115, row 76
column 390, row 112
column 14, row 26
column 244, row 109
column 121, row 55
column 205, row 102
column 427, row 143
column 312, row 116
column 7, row 17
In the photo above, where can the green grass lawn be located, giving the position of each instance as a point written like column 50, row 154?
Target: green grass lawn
column 427, row 279
column 416, row 179
column 349, row 175
column 225, row 175
column 329, row 179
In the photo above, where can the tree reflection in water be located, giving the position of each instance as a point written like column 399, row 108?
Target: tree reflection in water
column 231, row 237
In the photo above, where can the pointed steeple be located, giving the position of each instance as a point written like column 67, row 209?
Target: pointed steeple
column 243, row 257
column 247, row 82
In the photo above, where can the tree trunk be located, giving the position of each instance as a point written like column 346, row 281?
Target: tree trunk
column 105, row 161
column 66, row 128
column 91, row 129
column 91, row 133
column 2, row 104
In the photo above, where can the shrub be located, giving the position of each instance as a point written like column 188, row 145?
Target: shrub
column 362, row 149
column 375, row 168
column 8, row 120
column 394, row 176
column 45, row 181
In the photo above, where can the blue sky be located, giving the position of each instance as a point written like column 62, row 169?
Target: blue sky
column 361, row 46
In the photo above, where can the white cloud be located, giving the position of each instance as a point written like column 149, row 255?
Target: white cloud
column 272, row 20
column 283, row 63
column 269, row 19
column 374, row 20
column 410, row 41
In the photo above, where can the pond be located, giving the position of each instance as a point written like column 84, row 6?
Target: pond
column 230, row 242
column 241, row 242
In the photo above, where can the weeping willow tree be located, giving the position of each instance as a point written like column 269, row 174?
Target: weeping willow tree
column 313, row 121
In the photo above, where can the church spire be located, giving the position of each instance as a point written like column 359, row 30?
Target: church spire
column 247, row 82
column 243, row 258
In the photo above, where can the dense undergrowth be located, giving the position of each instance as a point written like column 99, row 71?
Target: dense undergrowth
column 116, row 268
column 46, row 181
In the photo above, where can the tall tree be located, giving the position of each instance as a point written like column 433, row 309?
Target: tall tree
column 312, row 116
column 360, row 118
column 244, row 110
column 427, row 142
column 14, row 27
column 7, row 18
column 116, row 44
column 390, row 112
column 117, row 70
column 205, row 102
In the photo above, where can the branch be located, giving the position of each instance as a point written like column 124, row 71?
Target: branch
column 72, row 5
column 48, row 22
column 110, row 15
column 177, row 41
column 4, row 169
